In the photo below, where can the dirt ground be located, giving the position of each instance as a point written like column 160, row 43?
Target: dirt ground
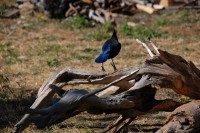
column 33, row 48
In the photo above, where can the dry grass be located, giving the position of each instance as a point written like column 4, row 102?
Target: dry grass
column 31, row 50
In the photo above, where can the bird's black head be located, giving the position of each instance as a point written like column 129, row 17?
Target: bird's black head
column 113, row 40
column 114, row 35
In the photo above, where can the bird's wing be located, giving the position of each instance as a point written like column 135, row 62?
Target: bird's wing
column 106, row 47
column 102, row 58
column 104, row 54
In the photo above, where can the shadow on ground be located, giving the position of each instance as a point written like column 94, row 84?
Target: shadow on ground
column 12, row 110
column 132, row 128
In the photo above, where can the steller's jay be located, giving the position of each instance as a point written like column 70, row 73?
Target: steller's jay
column 110, row 49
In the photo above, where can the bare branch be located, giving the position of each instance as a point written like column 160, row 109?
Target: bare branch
column 153, row 45
column 146, row 47
column 108, row 85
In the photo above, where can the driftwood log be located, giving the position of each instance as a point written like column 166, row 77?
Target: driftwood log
column 138, row 84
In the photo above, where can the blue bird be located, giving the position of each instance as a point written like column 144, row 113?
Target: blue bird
column 110, row 49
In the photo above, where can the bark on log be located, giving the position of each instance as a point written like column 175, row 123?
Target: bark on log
column 162, row 69
column 184, row 119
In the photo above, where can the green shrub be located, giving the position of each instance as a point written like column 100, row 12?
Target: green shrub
column 53, row 62
column 90, row 50
column 162, row 22
column 34, row 24
column 142, row 31
column 75, row 22
column 4, row 9
column 9, row 53
column 101, row 33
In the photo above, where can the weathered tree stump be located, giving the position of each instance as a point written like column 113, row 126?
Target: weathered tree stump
column 139, row 85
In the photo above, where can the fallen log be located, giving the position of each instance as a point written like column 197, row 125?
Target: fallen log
column 184, row 119
column 138, row 84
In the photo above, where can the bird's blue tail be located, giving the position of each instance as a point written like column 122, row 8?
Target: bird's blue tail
column 102, row 58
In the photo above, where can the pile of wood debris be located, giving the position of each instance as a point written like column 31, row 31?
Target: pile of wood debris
column 104, row 10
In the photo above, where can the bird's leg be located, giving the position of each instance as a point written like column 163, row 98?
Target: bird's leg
column 113, row 64
column 102, row 67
